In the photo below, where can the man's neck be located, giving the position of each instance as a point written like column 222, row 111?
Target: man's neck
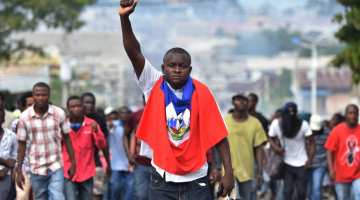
column 240, row 116
column 123, row 122
column 1, row 131
column 351, row 126
column 41, row 111
column 253, row 112
column 90, row 115
column 77, row 119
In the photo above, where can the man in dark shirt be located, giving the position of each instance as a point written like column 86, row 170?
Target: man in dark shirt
column 253, row 100
column 142, row 169
column 99, row 178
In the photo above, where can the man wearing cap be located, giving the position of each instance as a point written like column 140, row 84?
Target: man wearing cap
column 318, row 168
column 245, row 134
column 291, row 132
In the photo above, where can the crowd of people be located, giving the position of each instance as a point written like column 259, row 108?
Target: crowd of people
column 177, row 147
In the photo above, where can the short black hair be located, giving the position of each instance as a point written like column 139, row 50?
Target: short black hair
column 2, row 96
column 3, row 111
column 72, row 98
column 114, row 113
column 351, row 105
column 42, row 84
column 256, row 97
column 24, row 97
column 125, row 107
column 177, row 50
column 87, row 94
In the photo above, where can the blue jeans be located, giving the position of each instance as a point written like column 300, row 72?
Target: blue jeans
column 84, row 190
column 244, row 189
column 316, row 176
column 122, row 180
column 194, row 190
column 142, row 175
column 48, row 187
column 344, row 190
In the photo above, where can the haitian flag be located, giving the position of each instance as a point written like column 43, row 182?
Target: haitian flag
column 165, row 126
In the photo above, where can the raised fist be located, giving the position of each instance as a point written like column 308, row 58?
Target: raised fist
column 127, row 7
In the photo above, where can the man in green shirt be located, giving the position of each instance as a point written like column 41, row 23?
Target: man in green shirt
column 246, row 136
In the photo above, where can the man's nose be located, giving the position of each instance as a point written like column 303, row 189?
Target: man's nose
column 177, row 69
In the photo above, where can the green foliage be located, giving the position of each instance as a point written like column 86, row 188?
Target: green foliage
column 349, row 33
column 10, row 99
column 20, row 15
column 56, row 86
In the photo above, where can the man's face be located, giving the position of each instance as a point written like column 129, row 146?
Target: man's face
column 252, row 103
column 240, row 103
column 124, row 114
column 41, row 96
column 29, row 102
column 113, row 117
column 89, row 105
column 177, row 69
column 75, row 108
column 352, row 115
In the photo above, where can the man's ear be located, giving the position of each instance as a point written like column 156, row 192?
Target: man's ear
column 190, row 69
column 163, row 68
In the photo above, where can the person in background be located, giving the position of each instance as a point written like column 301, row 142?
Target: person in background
column 318, row 168
column 343, row 155
column 8, row 150
column 141, row 164
column 253, row 101
column 122, row 179
column 292, row 133
column 44, row 124
column 26, row 101
column 246, row 134
column 89, row 101
column 336, row 120
column 85, row 134
column 9, row 116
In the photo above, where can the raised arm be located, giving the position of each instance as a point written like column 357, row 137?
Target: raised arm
column 131, row 44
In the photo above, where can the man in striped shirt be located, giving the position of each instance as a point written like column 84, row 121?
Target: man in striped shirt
column 43, row 125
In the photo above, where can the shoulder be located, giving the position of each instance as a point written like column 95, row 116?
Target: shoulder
column 88, row 120
column 9, row 114
column 201, row 87
column 98, row 119
column 10, row 133
column 58, row 110
column 25, row 115
column 228, row 117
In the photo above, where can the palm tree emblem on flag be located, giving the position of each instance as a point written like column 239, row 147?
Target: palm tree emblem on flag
column 177, row 128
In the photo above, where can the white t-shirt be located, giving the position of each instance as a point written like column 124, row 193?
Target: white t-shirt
column 146, row 82
column 295, row 150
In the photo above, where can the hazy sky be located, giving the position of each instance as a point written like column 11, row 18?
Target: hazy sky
column 282, row 3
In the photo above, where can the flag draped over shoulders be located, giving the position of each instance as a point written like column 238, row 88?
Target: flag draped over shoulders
column 207, row 129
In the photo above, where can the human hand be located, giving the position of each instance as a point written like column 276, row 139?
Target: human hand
column 280, row 151
column 332, row 175
column 308, row 164
column 94, row 126
column 20, row 180
column 132, row 160
column 108, row 172
column 260, row 180
column 10, row 163
column 214, row 176
column 227, row 183
column 71, row 171
column 127, row 7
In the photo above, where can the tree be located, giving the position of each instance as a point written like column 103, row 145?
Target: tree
column 349, row 33
column 20, row 15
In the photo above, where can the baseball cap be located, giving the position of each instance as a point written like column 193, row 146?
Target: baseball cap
column 241, row 94
column 108, row 110
column 315, row 123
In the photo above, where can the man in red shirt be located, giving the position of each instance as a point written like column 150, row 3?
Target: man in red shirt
column 343, row 155
column 84, row 133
